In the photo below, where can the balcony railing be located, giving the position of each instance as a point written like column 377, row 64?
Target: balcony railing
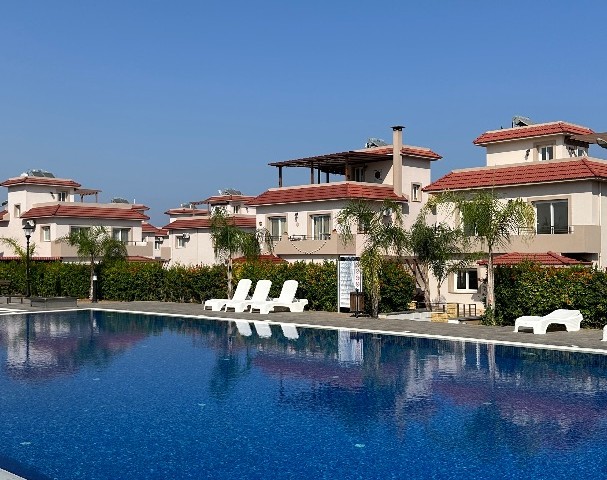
column 297, row 238
column 550, row 230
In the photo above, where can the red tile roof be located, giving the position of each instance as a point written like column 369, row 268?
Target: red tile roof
column 536, row 172
column 33, row 259
column 139, row 206
column 186, row 211
column 227, row 198
column 538, row 130
column 406, row 150
column 59, row 182
column 149, row 228
column 548, row 258
column 84, row 210
column 262, row 258
column 139, row 258
column 327, row 191
column 194, row 223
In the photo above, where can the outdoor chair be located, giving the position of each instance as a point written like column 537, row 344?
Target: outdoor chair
column 262, row 289
column 285, row 300
column 242, row 290
column 570, row 318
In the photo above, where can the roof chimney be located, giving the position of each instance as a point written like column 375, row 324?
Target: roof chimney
column 397, row 162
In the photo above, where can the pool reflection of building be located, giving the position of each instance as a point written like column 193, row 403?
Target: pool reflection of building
column 51, row 345
column 542, row 394
column 553, row 399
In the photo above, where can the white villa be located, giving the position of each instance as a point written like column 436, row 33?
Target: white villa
column 189, row 227
column 302, row 219
column 50, row 204
column 548, row 166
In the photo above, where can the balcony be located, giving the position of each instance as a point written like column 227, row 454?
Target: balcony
column 133, row 249
column 330, row 245
column 575, row 238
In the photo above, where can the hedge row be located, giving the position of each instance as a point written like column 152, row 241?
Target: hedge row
column 128, row 281
column 530, row 289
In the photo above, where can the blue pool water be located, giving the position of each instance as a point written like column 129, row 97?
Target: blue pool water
column 93, row 395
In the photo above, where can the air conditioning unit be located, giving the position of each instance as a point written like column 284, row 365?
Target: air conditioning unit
column 186, row 236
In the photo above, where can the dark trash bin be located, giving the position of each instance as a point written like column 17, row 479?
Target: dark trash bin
column 357, row 302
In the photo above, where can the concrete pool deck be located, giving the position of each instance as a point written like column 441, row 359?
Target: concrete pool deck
column 585, row 340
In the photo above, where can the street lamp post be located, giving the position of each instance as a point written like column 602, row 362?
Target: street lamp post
column 28, row 229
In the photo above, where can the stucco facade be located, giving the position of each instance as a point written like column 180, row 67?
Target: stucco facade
column 568, row 193
column 51, row 204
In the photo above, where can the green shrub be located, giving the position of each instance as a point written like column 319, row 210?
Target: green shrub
column 397, row 287
column 530, row 289
column 150, row 281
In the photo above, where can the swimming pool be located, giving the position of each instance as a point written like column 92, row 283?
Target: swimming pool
column 99, row 395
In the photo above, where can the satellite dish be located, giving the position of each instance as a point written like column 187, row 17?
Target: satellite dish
column 601, row 142
column 519, row 121
column 375, row 142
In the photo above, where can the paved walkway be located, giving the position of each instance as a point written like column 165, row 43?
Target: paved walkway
column 585, row 340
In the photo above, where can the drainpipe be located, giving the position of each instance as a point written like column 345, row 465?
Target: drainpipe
column 397, row 162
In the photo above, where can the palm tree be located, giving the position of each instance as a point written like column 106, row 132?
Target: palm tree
column 382, row 225
column 17, row 248
column 492, row 221
column 230, row 241
column 438, row 248
column 95, row 244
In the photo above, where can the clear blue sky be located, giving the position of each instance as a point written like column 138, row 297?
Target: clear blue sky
column 167, row 102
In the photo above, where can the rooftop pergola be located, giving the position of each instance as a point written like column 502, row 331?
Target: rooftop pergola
column 334, row 163
column 599, row 138
column 83, row 192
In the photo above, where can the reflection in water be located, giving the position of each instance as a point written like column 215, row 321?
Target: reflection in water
column 455, row 393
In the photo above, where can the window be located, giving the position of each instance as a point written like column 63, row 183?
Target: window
column 545, row 152
column 466, row 280
column 62, row 196
column 46, row 233
column 157, row 243
column 581, row 151
column 17, row 210
column 236, row 208
column 416, row 192
column 76, row 230
column 278, row 226
column 552, row 217
column 359, row 174
column 320, row 227
column 180, row 241
column 121, row 234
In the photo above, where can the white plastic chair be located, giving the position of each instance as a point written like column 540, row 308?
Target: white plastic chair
column 570, row 318
column 262, row 289
column 242, row 290
column 286, row 300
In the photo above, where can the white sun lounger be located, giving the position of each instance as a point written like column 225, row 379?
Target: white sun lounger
column 286, row 300
column 263, row 329
column 242, row 290
column 289, row 331
column 570, row 318
column 262, row 289
column 243, row 328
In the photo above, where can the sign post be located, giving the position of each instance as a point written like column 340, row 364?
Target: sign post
column 349, row 279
